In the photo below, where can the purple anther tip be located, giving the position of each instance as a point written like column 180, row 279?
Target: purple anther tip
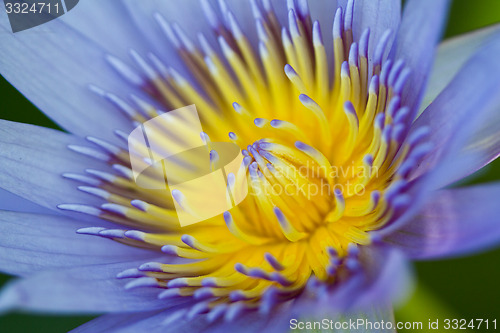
column 203, row 293
column 227, row 217
column 177, row 283
column 276, row 122
column 169, row 249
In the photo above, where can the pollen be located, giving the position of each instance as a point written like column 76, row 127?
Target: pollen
column 324, row 137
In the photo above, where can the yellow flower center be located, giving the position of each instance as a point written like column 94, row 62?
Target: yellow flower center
column 322, row 142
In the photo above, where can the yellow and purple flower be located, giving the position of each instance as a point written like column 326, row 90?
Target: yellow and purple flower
column 346, row 159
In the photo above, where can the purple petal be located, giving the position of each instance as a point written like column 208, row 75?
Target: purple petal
column 144, row 18
column 314, row 311
column 451, row 55
column 389, row 277
column 32, row 161
column 12, row 202
column 383, row 274
column 89, row 289
column 324, row 12
column 54, row 69
column 464, row 119
column 113, row 322
column 419, row 33
column 378, row 16
column 381, row 277
column 190, row 15
column 174, row 320
column 280, row 320
column 463, row 122
column 384, row 277
column 110, row 28
column 31, row 242
column 453, row 222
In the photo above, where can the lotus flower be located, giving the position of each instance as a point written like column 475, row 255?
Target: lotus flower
column 265, row 76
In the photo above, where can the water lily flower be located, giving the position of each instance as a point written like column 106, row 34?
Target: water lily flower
column 326, row 86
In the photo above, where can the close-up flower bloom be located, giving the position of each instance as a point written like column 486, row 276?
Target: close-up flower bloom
column 353, row 123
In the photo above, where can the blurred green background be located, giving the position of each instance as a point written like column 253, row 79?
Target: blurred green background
column 459, row 288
